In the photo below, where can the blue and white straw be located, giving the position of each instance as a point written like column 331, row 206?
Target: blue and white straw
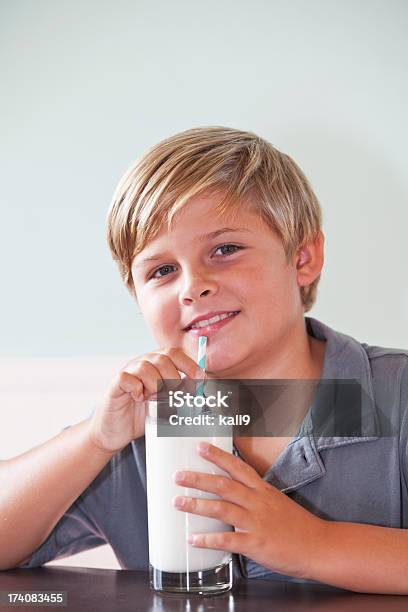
column 202, row 353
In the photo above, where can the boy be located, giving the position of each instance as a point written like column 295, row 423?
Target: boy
column 215, row 220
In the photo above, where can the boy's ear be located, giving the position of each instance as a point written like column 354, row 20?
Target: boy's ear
column 309, row 260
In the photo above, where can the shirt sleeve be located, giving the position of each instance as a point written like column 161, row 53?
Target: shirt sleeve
column 74, row 533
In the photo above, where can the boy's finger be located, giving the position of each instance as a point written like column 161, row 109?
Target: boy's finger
column 144, row 371
column 167, row 370
column 183, row 362
column 126, row 383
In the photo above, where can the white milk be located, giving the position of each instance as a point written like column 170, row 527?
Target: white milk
column 169, row 527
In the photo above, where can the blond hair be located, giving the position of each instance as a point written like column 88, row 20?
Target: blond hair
column 232, row 162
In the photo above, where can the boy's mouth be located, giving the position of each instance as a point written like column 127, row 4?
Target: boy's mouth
column 205, row 327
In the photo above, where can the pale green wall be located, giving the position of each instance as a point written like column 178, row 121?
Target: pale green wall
column 86, row 86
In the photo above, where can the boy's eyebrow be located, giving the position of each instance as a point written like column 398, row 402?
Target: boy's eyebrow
column 201, row 238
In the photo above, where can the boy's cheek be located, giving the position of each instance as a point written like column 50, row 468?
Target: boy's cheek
column 166, row 333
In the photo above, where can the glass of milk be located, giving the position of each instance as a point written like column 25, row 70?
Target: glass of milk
column 175, row 565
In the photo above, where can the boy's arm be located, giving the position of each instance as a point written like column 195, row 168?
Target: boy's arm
column 368, row 558
column 37, row 487
column 362, row 558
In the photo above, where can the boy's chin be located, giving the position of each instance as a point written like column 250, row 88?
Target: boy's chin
column 220, row 361
column 218, row 366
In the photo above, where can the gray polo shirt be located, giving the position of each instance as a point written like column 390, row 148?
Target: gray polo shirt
column 356, row 478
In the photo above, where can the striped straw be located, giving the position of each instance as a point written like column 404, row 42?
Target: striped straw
column 202, row 348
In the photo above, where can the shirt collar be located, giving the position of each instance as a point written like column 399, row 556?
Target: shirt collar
column 344, row 358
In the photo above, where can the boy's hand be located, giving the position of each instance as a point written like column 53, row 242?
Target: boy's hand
column 120, row 417
column 270, row 528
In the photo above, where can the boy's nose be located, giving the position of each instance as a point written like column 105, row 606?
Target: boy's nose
column 195, row 291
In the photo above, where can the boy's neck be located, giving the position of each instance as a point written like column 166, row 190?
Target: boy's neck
column 305, row 363
column 302, row 359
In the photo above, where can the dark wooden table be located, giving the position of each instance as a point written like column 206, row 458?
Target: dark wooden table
column 90, row 590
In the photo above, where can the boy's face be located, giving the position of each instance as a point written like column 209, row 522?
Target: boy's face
column 193, row 276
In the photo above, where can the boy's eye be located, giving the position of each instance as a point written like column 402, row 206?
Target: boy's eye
column 158, row 270
column 167, row 266
column 235, row 246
